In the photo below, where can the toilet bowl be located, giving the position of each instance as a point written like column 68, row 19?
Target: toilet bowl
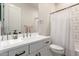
column 56, row 50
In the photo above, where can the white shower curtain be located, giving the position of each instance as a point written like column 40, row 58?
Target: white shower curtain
column 70, row 41
column 66, row 35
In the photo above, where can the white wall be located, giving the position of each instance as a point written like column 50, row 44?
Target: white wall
column 44, row 10
column 28, row 16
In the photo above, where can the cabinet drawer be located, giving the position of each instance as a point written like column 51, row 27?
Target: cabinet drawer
column 20, row 51
column 4, row 54
column 39, row 45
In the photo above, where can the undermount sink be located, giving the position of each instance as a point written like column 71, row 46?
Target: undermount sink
column 3, row 43
column 13, row 41
column 20, row 39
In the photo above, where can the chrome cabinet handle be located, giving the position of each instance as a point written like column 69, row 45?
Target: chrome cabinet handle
column 20, row 53
column 38, row 54
column 47, row 42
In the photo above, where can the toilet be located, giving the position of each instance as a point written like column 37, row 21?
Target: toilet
column 56, row 50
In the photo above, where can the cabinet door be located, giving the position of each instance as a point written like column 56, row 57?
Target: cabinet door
column 45, row 51
column 4, row 54
column 39, row 45
column 21, row 51
column 36, row 53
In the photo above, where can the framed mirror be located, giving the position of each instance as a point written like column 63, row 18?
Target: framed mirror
column 19, row 15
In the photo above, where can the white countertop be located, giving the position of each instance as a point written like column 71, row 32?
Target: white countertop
column 6, row 45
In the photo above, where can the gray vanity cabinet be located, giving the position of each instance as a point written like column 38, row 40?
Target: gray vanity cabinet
column 45, row 51
column 40, row 48
column 39, row 45
column 35, row 48
column 4, row 54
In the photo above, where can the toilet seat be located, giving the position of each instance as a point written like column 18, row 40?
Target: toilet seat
column 57, row 49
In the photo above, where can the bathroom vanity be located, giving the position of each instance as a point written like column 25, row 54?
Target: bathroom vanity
column 32, row 46
column 14, row 22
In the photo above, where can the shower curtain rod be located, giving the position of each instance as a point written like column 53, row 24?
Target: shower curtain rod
column 64, row 8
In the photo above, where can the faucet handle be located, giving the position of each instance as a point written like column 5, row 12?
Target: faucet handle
column 7, row 36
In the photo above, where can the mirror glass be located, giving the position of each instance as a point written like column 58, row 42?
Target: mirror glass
column 19, row 16
column 0, row 19
column 0, row 11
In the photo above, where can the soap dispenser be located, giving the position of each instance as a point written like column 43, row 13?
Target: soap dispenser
column 15, row 34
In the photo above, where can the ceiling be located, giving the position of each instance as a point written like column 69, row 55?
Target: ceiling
column 34, row 5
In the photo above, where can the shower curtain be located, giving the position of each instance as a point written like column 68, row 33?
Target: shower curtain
column 69, row 42
column 69, row 31
column 73, row 25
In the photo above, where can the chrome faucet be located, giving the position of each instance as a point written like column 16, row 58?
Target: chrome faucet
column 15, row 36
column 2, row 37
column 30, row 30
column 7, row 37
